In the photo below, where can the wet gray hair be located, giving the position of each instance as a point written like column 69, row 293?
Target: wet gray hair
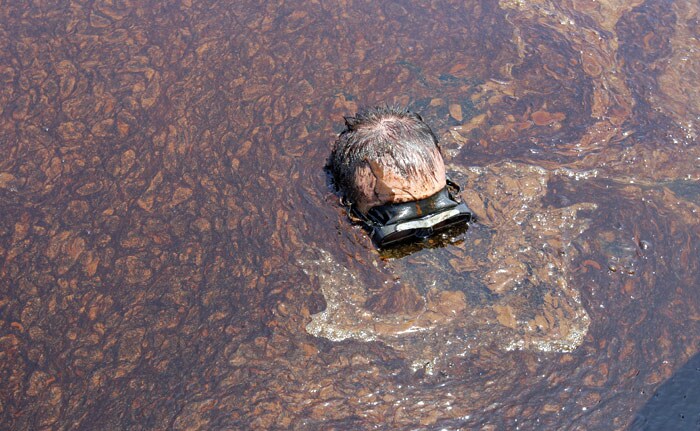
column 382, row 133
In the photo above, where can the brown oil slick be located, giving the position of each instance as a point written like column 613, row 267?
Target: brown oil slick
column 171, row 256
column 506, row 285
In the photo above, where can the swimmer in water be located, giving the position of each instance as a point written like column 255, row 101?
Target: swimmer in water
column 389, row 170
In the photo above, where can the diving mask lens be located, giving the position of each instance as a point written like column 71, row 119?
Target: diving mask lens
column 391, row 224
column 420, row 228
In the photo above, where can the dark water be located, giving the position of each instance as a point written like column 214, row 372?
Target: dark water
column 167, row 234
column 675, row 404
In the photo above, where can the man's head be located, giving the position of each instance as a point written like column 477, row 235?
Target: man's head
column 386, row 155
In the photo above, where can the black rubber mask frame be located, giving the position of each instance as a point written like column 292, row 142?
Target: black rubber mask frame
column 391, row 224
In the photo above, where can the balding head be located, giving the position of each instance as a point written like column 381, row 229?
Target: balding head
column 386, row 155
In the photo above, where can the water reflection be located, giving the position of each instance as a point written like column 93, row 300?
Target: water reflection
column 674, row 404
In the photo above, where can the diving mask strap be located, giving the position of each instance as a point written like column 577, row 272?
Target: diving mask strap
column 353, row 215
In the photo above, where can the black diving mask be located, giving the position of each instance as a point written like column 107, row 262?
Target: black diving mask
column 391, row 224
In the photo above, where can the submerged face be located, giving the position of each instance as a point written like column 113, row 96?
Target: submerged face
column 388, row 166
column 386, row 155
column 379, row 182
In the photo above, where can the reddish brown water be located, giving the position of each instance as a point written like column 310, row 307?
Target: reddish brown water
column 167, row 234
